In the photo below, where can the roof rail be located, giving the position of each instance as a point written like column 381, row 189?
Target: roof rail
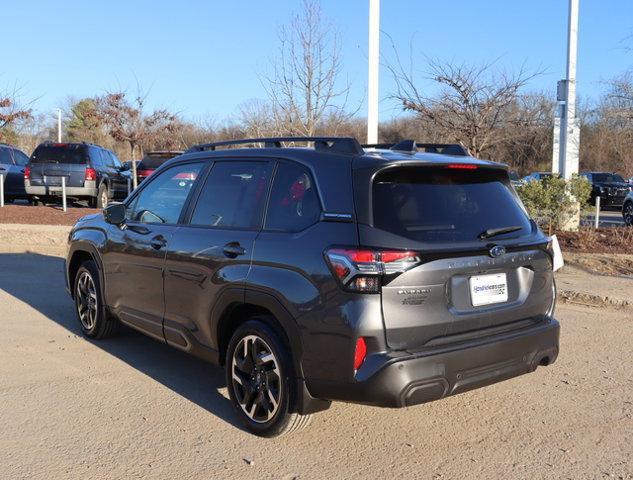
column 346, row 145
column 413, row 146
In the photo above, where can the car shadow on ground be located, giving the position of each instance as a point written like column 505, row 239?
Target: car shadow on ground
column 38, row 280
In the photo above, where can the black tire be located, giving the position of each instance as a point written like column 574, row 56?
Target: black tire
column 36, row 202
column 87, row 293
column 275, row 381
column 103, row 196
column 627, row 213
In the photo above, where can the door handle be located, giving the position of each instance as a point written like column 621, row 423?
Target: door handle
column 233, row 250
column 158, row 242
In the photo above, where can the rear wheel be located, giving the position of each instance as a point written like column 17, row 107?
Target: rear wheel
column 91, row 311
column 103, row 195
column 627, row 213
column 261, row 382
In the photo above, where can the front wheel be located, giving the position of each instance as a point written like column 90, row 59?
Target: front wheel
column 261, row 382
column 627, row 213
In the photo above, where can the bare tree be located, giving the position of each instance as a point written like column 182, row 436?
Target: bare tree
column 471, row 105
column 127, row 121
column 11, row 111
column 304, row 84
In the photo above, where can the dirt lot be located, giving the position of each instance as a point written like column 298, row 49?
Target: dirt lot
column 130, row 407
column 49, row 215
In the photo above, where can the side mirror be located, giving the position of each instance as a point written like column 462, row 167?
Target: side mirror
column 114, row 213
column 125, row 167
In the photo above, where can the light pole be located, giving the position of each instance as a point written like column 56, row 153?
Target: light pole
column 373, row 68
column 569, row 131
column 59, row 125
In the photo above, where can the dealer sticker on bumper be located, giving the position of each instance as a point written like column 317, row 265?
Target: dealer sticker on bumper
column 488, row 289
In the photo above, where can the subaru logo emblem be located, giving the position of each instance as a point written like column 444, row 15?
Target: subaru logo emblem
column 497, row 251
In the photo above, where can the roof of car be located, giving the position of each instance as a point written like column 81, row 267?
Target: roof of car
column 338, row 149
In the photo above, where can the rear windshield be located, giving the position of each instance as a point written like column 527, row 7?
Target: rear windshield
column 607, row 178
column 443, row 205
column 75, row 154
column 153, row 162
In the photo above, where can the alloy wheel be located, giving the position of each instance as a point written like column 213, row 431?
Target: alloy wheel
column 104, row 198
column 628, row 213
column 86, row 300
column 256, row 378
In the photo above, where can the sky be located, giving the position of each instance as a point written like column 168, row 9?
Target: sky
column 202, row 58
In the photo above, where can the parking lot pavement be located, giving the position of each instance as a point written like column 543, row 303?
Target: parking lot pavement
column 131, row 407
column 607, row 219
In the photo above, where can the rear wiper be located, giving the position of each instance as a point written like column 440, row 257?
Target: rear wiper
column 493, row 232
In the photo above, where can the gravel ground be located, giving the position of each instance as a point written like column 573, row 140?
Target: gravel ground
column 130, row 407
column 49, row 215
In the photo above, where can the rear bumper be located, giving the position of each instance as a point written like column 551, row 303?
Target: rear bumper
column 57, row 191
column 411, row 379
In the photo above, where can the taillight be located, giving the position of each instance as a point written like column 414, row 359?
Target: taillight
column 27, row 173
column 91, row 174
column 362, row 270
column 144, row 173
column 360, row 352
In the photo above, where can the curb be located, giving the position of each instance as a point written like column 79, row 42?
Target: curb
column 591, row 300
column 42, row 239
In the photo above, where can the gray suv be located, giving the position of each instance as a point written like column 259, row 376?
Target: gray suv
column 91, row 173
column 383, row 276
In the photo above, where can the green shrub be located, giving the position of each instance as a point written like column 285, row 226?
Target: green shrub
column 551, row 200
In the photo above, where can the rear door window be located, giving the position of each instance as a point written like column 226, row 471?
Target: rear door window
column 69, row 154
column 429, row 204
column 294, row 204
column 233, row 195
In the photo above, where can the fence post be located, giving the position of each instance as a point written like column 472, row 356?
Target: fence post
column 597, row 222
column 1, row 190
column 64, row 193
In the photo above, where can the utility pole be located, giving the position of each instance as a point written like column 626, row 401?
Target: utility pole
column 569, row 128
column 59, row 125
column 373, row 68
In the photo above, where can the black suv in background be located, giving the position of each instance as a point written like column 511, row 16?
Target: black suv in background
column 388, row 277
column 610, row 187
column 92, row 173
column 151, row 161
column 12, row 164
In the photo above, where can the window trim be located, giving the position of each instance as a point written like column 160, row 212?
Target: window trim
column 316, row 191
column 212, row 162
column 134, row 196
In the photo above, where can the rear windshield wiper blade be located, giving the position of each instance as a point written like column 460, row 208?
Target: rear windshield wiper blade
column 493, row 232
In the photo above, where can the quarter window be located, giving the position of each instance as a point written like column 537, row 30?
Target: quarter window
column 294, row 204
column 163, row 199
column 233, row 195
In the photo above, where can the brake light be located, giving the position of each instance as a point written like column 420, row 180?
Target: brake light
column 91, row 174
column 361, row 270
column 360, row 352
column 462, row 166
column 144, row 173
column 27, row 173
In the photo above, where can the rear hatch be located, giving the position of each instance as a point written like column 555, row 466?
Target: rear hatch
column 50, row 162
column 475, row 263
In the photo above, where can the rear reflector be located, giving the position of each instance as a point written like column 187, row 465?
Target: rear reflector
column 462, row 166
column 91, row 174
column 360, row 352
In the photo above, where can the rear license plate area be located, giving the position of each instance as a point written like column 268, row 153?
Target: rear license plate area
column 488, row 289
